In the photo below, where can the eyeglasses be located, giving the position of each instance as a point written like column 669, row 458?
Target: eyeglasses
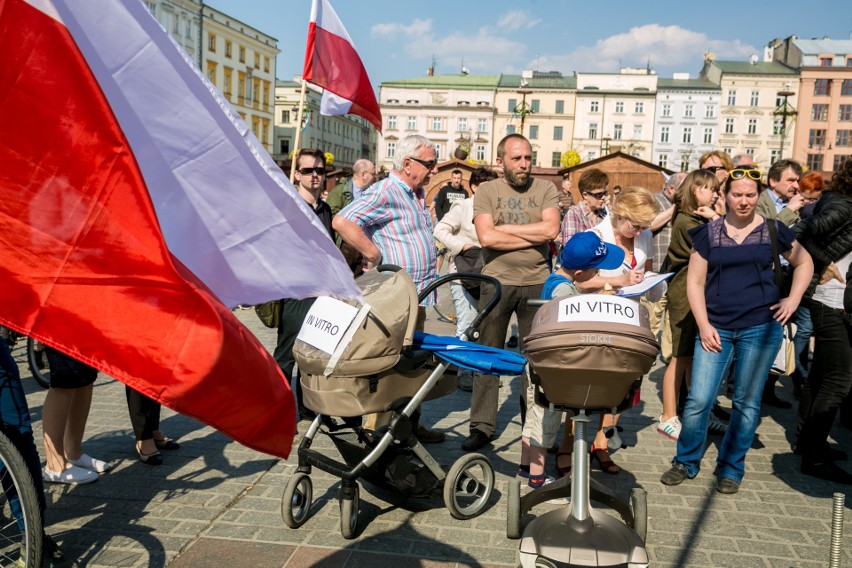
column 429, row 165
column 636, row 227
column 308, row 171
column 597, row 195
column 714, row 169
column 740, row 173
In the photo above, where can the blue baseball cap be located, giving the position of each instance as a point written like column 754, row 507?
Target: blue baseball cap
column 587, row 250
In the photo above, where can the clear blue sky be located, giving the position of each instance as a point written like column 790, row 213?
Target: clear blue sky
column 397, row 40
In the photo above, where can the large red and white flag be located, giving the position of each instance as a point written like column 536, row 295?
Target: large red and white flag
column 136, row 206
column 331, row 62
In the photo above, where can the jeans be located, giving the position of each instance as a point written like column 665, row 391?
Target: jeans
column 465, row 305
column 830, row 379
column 753, row 349
column 802, row 341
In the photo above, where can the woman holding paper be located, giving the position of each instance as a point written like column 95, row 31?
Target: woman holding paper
column 694, row 201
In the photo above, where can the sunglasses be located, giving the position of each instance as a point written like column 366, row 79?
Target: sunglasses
column 714, row 169
column 597, row 195
column 740, row 173
column 430, row 165
column 308, row 171
column 636, row 227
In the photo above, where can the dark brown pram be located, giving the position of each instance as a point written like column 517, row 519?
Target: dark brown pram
column 587, row 355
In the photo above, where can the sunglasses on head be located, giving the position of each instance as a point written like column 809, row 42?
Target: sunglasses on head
column 308, row 171
column 740, row 173
column 429, row 165
column 714, row 169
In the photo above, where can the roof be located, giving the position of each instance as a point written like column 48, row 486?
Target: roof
column 759, row 68
column 614, row 155
column 696, row 84
column 448, row 82
column 819, row 46
column 538, row 82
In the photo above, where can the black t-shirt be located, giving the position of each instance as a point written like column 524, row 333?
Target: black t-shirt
column 323, row 211
column 447, row 195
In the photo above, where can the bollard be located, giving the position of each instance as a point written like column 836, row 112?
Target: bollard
column 838, row 500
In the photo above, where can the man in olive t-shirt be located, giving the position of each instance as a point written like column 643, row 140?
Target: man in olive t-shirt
column 516, row 217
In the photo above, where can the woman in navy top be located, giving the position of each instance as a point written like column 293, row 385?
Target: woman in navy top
column 739, row 312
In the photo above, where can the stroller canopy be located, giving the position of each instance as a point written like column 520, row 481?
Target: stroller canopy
column 471, row 356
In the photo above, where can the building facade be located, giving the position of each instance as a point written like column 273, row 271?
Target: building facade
column 686, row 121
column 823, row 137
column 453, row 111
column 348, row 138
column 182, row 19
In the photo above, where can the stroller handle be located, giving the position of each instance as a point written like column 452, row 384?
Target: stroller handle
column 472, row 332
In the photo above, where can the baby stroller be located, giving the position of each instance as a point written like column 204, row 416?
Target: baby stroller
column 587, row 355
column 382, row 367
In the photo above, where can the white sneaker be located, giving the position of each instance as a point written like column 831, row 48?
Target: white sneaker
column 88, row 462
column 72, row 476
column 670, row 428
column 716, row 426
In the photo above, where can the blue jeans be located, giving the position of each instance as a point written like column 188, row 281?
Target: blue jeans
column 802, row 341
column 753, row 349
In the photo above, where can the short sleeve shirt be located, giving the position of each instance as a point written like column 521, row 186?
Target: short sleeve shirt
column 510, row 206
column 740, row 285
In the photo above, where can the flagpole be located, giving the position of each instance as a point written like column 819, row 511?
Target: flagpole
column 298, row 140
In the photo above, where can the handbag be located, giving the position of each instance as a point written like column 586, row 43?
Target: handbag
column 470, row 261
column 785, row 359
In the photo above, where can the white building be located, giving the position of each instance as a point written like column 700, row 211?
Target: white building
column 348, row 138
column 686, row 121
column 615, row 111
column 182, row 19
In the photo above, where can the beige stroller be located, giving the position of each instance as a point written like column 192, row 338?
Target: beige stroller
column 587, row 355
column 377, row 368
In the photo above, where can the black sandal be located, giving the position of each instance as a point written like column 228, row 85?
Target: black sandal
column 604, row 461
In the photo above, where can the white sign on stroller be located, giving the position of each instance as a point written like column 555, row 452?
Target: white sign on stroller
column 326, row 323
column 599, row 308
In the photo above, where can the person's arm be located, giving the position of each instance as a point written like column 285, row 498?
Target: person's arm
column 789, row 216
column 355, row 237
column 662, row 218
column 447, row 229
column 696, row 279
column 597, row 282
column 490, row 237
column 535, row 233
column 803, row 271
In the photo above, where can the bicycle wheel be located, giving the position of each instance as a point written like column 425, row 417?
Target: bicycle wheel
column 444, row 307
column 21, row 534
column 37, row 360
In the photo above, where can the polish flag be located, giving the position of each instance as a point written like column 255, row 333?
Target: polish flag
column 332, row 63
column 136, row 207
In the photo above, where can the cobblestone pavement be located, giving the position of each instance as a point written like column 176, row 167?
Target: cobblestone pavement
column 215, row 503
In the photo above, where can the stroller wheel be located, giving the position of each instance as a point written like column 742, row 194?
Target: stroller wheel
column 639, row 508
column 468, row 486
column 296, row 502
column 513, row 518
column 349, row 513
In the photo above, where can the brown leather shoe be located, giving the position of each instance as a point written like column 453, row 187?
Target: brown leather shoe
column 425, row 436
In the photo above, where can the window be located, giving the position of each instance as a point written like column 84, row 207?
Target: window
column 285, row 116
column 481, row 125
column 227, row 80
column 839, row 159
column 755, row 98
column 228, row 48
column 639, row 107
column 535, row 157
column 684, row 163
column 752, row 126
column 594, row 106
column 264, row 131
column 732, row 98
column 617, row 131
column 822, row 87
column 211, row 42
column 816, row 137
column 242, row 54
column 619, row 106
column 667, row 110
column 412, row 123
column 708, row 135
column 535, row 105
column 151, row 7
column 462, row 124
column 211, row 72
column 729, row 126
column 688, row 111
column 815, row 161
column 560, row 107
column 664, row 134
column 513, row 104
column 777, row 127
column 593, row 130
column 479, row 152
column 256, row 60
column 774, row 156
column 750, row 152
column 637, row 131
column 438, row 152
column 844, row 113
column 844, row 138
column 188, row 32
column 710, row 111
column 241, row 87
column 819, row 112
column 266, row 64
column 284, row 146
column 687, row 135
column 392, row 122
column 557, row 133
column 437, row 123
column 846, row 88
column 391, row 149
column 533, row 132
column 555, row 159
column 663, row 162
column 825, row 61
